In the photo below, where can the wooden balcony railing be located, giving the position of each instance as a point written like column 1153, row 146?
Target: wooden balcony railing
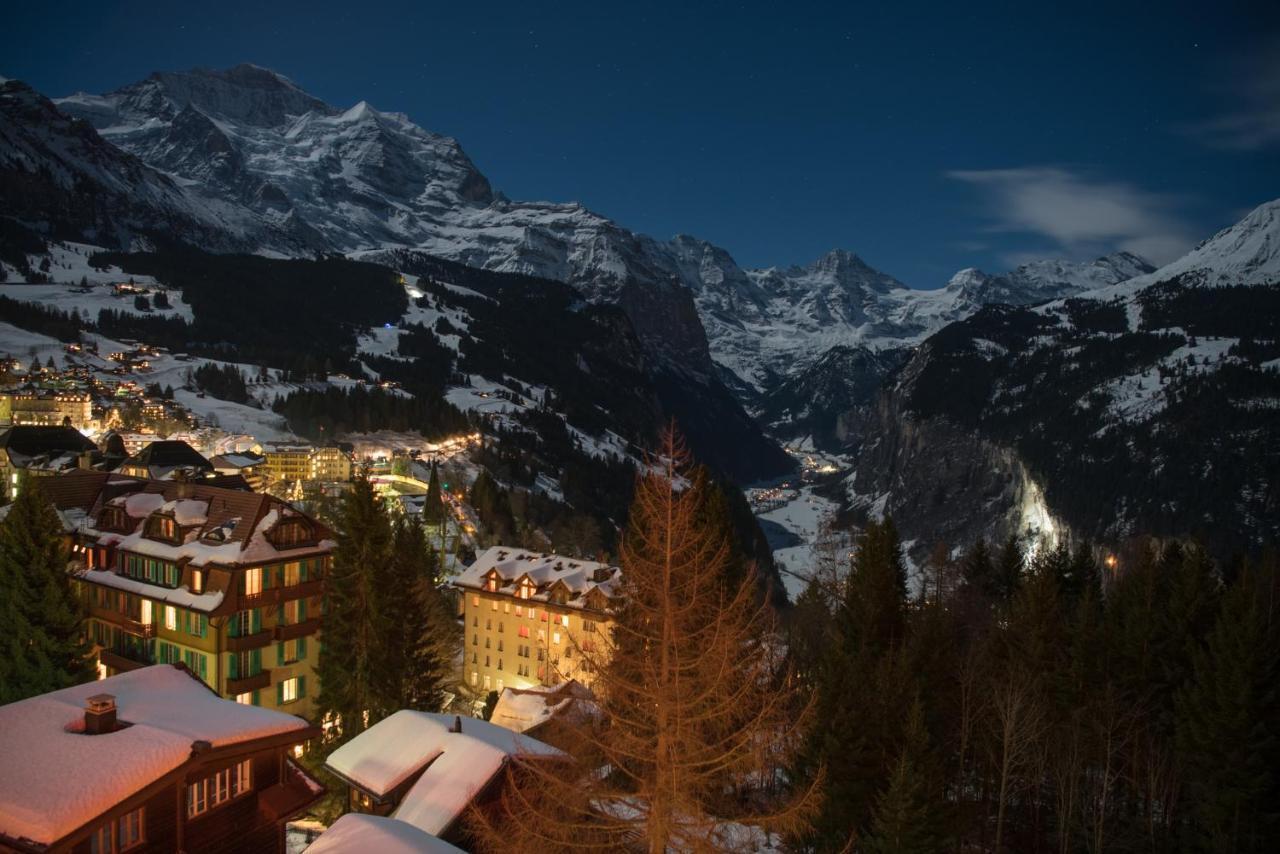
column 303, row 590
column 118, row 662
column 129, row 624
column 276, row 595
column 254, row 641
column 297, row 630
column 245, row 684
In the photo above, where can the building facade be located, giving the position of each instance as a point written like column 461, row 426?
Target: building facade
column 47, row 407
column 290, row 463
column 227, row 582
column 534, row 619
column 149, row 761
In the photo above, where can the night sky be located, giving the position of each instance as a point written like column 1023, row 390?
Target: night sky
column 925, row 137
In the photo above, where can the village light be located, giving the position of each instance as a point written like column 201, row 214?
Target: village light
column 1111, row 561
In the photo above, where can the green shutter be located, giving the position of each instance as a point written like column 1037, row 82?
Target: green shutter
column 279, row 693
column 302, row 687
column 256, row 701
column 233, row 668
column 302, row 570
column 257, row 620
column 280, row 652
column 302, row 610
column 255, row 660
column 302, row 648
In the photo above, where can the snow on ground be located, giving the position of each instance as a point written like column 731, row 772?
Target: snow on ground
column 801, row 515
column 69, row 263
column 22, row 345
column 1140, row 396
column 385, row 340
column 357, row 833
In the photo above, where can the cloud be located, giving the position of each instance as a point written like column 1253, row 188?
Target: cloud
column 1253, row 121
column 1082, row 217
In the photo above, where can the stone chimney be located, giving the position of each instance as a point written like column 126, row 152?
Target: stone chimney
column 200, row 746
column 457, row 724
column 99, row 714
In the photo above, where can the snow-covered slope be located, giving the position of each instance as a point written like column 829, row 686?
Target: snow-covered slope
column 363, row 181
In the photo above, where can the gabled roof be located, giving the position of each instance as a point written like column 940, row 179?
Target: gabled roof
column 57, row 778
column 219, row 525
column 30, row 440
column 169, row 453
column 357, row 833
column 579, row 578
column 458, row 765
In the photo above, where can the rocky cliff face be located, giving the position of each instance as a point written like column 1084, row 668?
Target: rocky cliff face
column 943, row 482
column 1145, row 406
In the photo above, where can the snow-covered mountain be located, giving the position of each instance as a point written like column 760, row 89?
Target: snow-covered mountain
column 1151, row 405
column 306, row 176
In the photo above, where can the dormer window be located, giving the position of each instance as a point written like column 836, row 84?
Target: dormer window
column 112, row 519
column 527, row 589
column 292, row 533
column 162, row 528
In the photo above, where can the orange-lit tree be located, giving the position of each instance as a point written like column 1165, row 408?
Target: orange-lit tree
column 696, row 711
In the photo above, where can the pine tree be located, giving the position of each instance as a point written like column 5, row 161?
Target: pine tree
column 1008, row 569
column 695, row 709
column 909, row 814
column 433, row 509
column 34, row 580
column 1229, row 726
column 419, row 643
column 862, row 693
column 353, row 663
column 977, row 571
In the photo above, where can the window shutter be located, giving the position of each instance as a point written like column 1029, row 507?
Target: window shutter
column 302, row 648
column 233, row 669
column 302, row 570
column 280, row 614
column 279, row 693
column 255, row 660
column 302, row 610
column 280, row 652
column 302, row 687
column 257, row 620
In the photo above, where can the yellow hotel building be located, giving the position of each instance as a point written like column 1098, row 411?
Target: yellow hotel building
column 529, row 617
column 228, row 582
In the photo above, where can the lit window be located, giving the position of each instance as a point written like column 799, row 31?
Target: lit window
column 228, row 783
column 197, row 581
column 493, row 605
column 171, row 618
column 524, row 631
column 475, row 601
column 245, row 699
column 555, row 637
column 252, row 581
column 121, row 834
column 292, row 574
column 289, row 690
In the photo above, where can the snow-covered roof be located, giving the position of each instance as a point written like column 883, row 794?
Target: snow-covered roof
column 57, row 778
column 225, row 527
column 522, row 709
column 357, row 833
column 458, row 764
column 579, row 577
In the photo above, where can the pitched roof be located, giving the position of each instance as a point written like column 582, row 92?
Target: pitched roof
column 458, row 765
column 57, row 778
column 218, row 525
column 169, row 453
column 31, row 440
column 579, row 577
column 357, row 833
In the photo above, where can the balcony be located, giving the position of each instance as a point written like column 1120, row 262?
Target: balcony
column 129, row 624
column 270, row 596
column 303, row 590
column 245, row 684
column 120, row 662
column 297, row 630
column 245, row 642
column 295, row 792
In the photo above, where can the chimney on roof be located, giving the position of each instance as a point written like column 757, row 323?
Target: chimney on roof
column 84, row 461
column 602, row 574
column 457, row 724
column 99, row 714
column 200, row 746
column 184, row 483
